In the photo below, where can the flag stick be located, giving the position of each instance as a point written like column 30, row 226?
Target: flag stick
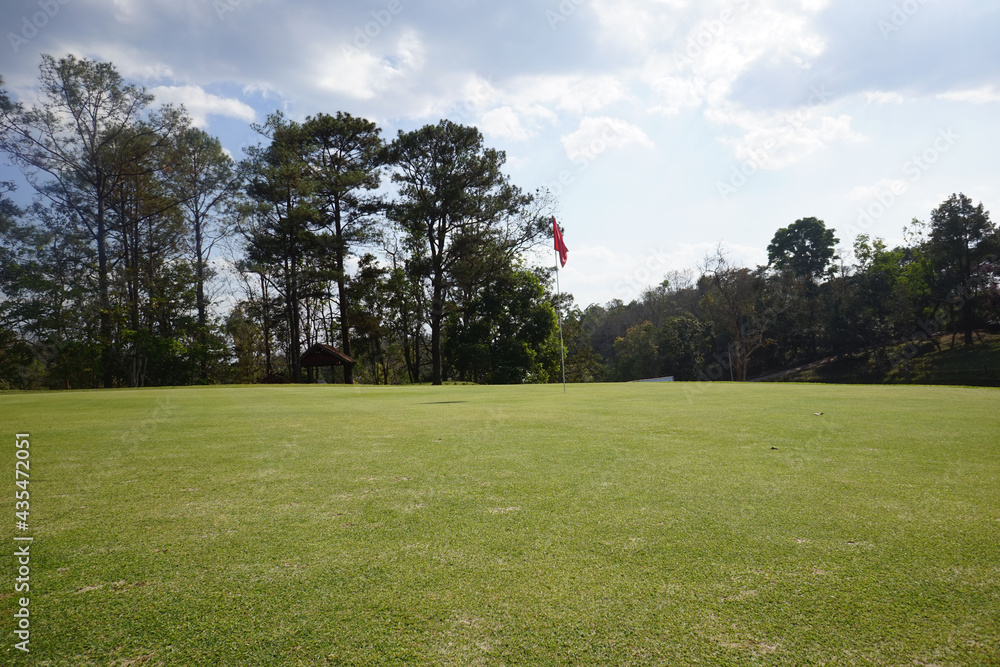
column 562, row 349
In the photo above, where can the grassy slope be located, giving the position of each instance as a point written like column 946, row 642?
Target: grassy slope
column 619, row 524
column 919, row 363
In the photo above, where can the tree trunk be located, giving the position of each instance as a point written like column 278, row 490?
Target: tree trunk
column 267, row 327
column 107, row 352
column 294, row 338
column 345, row 327
column 202, row 314
column 437, row 316
column 438, row 237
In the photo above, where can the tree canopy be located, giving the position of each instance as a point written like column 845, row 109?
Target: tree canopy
column 806, row 248
column 151, row 257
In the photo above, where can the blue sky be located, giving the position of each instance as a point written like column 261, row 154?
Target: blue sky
column 664, row 127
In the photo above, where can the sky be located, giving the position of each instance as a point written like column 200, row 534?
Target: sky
column 664, row 128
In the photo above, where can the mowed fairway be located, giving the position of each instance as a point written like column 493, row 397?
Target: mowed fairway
column 639, row 524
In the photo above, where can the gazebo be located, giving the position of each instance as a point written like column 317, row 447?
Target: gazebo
column 320, row 355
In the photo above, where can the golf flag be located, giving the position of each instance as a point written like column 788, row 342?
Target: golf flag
column 560, row 246
column 563, row 252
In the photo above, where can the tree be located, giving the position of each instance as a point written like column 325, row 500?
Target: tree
column 684, row 344
column 204, row 182
column 370, row 293
column 280, row 226
column 742, row 305
column 507, row 333
column 962, row 237
column 583, row 363
column 806, row 248
column 344, row 155
column 16, row 269
column 75, row 148
column 407, row 299
column 637, row 354
column 453, row 200
column 152, row 286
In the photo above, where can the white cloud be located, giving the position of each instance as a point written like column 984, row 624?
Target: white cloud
column 577, row 94
column 725, row 45
column 200, row 104
column 596, row 136
column 700, row 66
column 983, row 95
column 503, row 122
column 125, row 10
column 360, row 74
column 884, row 97
column 365, row 73
column 776, row 141
column 131, row 61
column 638, row 24
column 868, row 193
column 410, row 52
column 674, row 94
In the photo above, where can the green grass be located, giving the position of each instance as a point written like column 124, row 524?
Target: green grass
column 640, row 524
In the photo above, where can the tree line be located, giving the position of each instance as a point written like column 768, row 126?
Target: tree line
column 407, row 254
column 151, row 257
column 730, row 322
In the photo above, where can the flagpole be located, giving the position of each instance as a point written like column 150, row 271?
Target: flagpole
column 562, row 349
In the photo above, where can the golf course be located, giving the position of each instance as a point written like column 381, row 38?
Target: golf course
column 615, row 524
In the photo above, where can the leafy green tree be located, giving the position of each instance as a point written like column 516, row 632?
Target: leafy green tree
column 281, row 224
column 684, row 345
column 407, row 303
column 742, row 305
column 962, row 238
column 204, row 182
column 637, row 353
column 60, row 308
column 806, row 248
column 506, row 334
column 606, row 324
column 344, row 155
column 76, row 148
column 263, row 306
column 583, row 363
column 371, row 296
column 246, row 344
column 16, row 241
column 454, row 199
column 879, row 307
column 152, row 286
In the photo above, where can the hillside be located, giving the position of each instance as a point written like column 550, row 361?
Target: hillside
column 924, row 363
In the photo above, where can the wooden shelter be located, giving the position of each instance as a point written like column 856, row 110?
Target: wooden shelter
column 324, row 355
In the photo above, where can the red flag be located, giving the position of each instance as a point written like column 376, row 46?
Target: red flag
column 560, row 246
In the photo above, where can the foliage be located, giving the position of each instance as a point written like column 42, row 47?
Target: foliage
column 409, row 256
column 806, row 248
column 204, row 183
column 454, row 200
column 344, row 156
column 506, row 334
column 962, row 238
column 84, row 141
column 637, row 353
column 685, row 344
